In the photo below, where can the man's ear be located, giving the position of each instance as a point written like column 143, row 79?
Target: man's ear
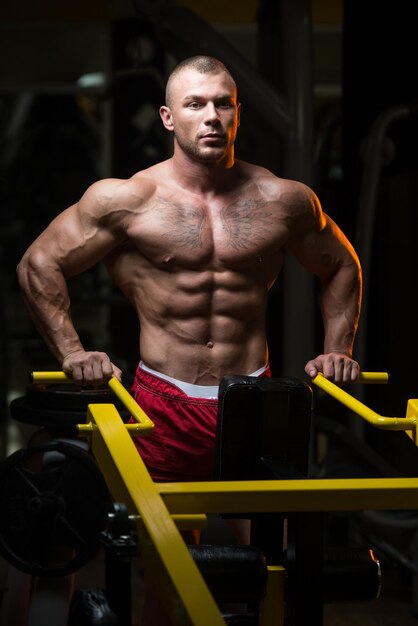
column 239, row 113
column 167, row 117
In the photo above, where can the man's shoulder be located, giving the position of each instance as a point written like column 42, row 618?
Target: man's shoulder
column 271, row 184
column 152, row 176
column 138, row 188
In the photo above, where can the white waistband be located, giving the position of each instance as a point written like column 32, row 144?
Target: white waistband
column 209, row 392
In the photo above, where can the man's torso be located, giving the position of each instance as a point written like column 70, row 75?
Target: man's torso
column 197, row 270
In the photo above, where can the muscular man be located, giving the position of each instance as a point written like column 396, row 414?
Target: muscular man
column 195, row 243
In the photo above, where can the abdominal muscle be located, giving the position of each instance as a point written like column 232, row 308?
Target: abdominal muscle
column 201, row 337
column 202, row 314
column 200, row 363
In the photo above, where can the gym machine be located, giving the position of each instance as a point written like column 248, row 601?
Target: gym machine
column 60, row 503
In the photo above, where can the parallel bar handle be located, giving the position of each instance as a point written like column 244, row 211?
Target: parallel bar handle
column 378, row 378
column 380, row 421
column 144, row 422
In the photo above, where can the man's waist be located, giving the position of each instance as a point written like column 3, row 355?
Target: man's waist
column 198, row 391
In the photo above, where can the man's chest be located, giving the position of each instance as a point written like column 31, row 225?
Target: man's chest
column 229, row 232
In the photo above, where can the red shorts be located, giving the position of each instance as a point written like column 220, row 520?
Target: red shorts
column 182, row 444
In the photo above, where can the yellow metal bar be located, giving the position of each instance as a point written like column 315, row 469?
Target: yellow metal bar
column 377, row 378
column 133, row 429
column 380, row 421
column 166, row 558
column 50, row 377
column 412, row 413
column 272, row 606
column 133, row 407
column 190, row 522
column 85, row 428
column 342, row 494
column 57, row 377
column 144, row 423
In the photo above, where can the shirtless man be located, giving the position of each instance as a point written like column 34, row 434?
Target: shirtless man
column 194, row 243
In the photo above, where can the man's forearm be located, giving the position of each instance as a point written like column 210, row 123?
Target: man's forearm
column 340, row 306
column 45, row 294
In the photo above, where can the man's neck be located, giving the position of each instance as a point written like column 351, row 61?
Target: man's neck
column 202, row 177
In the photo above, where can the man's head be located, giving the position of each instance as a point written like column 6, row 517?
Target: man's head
column 201, row 108
column 201, row 64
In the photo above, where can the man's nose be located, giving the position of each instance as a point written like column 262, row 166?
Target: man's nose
column 211, row 113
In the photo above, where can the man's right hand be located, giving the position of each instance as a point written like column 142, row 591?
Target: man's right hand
column 90, row 368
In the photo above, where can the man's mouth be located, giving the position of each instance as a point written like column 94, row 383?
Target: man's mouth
column 213, row 136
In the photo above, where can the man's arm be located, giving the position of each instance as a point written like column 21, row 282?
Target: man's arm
column 324, row 250
column 340, row 299
column 74, row 241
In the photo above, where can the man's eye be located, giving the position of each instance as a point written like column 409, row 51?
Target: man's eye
column 194, row 105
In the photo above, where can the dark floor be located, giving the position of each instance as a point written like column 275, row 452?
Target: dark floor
column 393, row 608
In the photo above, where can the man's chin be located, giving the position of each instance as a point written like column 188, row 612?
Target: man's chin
column 210, row 155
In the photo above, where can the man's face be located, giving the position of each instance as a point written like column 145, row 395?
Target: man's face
column 204, row 114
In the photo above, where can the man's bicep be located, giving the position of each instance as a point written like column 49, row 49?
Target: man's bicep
column 62, row 245
column 322, row 251
column 72, row 242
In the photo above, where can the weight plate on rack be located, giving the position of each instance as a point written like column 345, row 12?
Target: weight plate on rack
column 54, row 506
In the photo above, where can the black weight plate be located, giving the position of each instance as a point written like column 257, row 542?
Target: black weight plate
column 54, row 504
column 59, row 407
column 22, row 411
column 70, row 397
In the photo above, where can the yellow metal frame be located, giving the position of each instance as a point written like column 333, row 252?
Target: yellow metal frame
column 144, row 424
column 160, row 509
column 408, row 423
